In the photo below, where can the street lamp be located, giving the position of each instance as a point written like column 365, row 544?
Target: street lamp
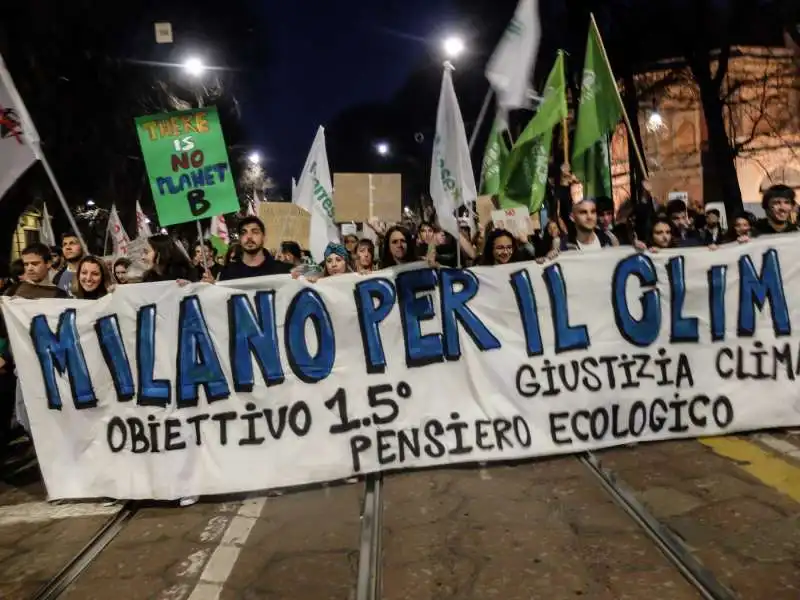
column 382, row 148
column 254, row 158
column 453, row 46
column 194, row 66
column 90, row 202
column 655, row 122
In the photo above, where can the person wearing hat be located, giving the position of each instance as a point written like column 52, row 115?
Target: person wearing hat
column 778, row 203
column 337, row 260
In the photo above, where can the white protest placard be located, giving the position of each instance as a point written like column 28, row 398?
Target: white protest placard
column 160, row 391
column 515, row 220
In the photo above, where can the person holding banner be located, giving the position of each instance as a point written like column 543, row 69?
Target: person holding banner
column 586, row 237
column 502, row 248
column 255, row 261
column 778, row 203
column 337, row 260
column 34, row 285
column 93, row 280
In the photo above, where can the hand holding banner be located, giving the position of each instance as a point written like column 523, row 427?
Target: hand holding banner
column 157, row 391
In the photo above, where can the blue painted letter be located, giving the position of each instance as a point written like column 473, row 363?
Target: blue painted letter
column 198, row 363
column 375, row 299
column 755, row 291
column 568, row 337
column 62, row 352
column 255, row 335
column 308, row 304
column 421, row 349
column 455, row 311
column 644, row 331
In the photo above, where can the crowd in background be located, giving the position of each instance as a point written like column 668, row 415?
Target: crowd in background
column 583, row 226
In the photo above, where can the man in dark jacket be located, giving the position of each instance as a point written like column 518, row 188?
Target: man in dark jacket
column 256, row 260
column 778, row 204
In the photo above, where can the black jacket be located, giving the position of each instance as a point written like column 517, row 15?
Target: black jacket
column 239, row 270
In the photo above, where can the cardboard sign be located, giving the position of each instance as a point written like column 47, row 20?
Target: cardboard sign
column 187, row 164
column 515, row 220
column 284, row 222
column 361, row 196
column 485, row 206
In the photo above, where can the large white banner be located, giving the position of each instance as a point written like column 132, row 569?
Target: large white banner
column 159, row 392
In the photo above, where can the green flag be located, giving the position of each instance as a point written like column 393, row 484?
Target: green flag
column 493, row 159
column 599, row 112
column 530, row 156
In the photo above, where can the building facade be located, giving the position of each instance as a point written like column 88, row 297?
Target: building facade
column 761, row 93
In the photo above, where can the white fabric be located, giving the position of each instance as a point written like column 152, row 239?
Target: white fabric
column 219, row 228
column 452, row 180
column 142, row 226
column 18, row 137
column 314, row 192
column 410, row 405
column 509, row 69
column 46, row 230
column 119, row 237
column 592, row 246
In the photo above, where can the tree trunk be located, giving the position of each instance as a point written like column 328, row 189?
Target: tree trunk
column 724, row 182
column 631, row 101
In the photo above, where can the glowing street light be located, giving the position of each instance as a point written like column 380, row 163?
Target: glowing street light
column 655, row 122
column 453, row 46
column 382, row 148
column 254, row 158
column 90, row 202
column 194, row 66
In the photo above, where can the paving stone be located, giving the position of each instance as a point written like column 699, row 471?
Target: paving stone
column 492, row 545
column 304, row 546
column 668, row 502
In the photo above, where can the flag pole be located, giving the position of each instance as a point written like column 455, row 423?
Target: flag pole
column 61, row 198
column 564, row 124
column 625, row 117
column 481, row 116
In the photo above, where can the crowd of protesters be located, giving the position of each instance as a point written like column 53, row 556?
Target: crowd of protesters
column 583, row 226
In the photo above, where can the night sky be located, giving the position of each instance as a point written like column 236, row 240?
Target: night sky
column 327, row 58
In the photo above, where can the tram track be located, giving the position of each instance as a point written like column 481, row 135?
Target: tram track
column 56, row 586
column 370, row 557
column 670, row 545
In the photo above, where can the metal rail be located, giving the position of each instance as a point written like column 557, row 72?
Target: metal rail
column 58, row 584
column 667, row 542
column 368, row 584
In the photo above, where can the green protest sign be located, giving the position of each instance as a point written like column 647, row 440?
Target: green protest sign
column 187, row 165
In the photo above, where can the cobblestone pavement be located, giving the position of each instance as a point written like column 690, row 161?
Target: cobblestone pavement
column 746, row 533
column 539, row 529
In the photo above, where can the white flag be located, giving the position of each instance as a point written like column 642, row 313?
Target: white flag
column 18, row 137
column 314, row 192
column 46, row 230
column 220, row 229
column 509, row 69
column 119, row 237
column 142, row 223
column 251, row 208
column 452, row 180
